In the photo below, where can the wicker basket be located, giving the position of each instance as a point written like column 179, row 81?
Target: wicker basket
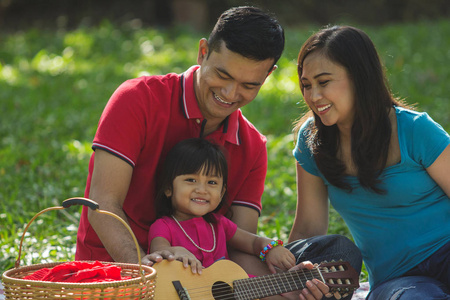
column 140, row 286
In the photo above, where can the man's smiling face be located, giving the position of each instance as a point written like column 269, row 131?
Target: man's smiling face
column 227, row 81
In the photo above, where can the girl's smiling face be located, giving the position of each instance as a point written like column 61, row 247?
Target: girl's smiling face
column 328, row 90
column 195, row 195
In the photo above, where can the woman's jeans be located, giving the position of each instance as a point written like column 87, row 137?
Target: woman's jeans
column 428, row 280
column 327, row 248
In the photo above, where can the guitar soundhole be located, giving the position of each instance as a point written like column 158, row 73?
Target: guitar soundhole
column 222, row 290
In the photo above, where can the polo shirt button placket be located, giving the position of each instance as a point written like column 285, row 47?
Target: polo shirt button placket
column 198, row 121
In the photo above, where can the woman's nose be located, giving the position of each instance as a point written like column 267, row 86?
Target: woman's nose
column 316, row 94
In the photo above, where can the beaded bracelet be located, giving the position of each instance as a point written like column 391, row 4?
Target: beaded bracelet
column 266, row 249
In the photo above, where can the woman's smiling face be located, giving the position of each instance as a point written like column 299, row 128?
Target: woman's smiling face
column 328, row 90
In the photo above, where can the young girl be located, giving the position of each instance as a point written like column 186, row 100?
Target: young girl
column 192, row 190
column 384, row 167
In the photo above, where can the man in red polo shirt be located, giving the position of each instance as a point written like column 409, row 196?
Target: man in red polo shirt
column 147, row 116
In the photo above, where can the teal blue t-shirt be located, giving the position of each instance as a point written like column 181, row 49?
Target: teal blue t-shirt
column 398, row 230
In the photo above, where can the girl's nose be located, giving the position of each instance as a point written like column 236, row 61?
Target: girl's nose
column 200, row 188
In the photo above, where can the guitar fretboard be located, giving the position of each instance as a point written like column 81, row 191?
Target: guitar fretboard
column 275, row 284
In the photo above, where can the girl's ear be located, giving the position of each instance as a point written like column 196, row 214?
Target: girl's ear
column 168, row 193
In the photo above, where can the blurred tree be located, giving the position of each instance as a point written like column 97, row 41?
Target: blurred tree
column 202, row 14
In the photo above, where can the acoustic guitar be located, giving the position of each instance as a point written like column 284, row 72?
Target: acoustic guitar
column 226, row 280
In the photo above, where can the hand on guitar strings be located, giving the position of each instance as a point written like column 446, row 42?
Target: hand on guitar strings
column 315, row 288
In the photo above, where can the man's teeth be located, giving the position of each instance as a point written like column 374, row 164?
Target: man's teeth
column 323, row 107
column 220, row 100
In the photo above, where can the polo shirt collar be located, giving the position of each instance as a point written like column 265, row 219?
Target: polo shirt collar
column 230, row 127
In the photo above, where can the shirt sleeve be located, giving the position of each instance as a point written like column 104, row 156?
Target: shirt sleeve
column 159, row 228
column 229, row 226
column 429, row 140
column 122, row 126
column 301, row 151
column 254, row 183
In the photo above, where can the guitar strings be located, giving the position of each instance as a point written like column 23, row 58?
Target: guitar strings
column 223, row 290
column 285, row 282
column 224, row 293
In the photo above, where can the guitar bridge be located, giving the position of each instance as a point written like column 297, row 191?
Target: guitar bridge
column 181, row 291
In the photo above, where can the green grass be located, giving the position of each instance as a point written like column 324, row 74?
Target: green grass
column 54, row 85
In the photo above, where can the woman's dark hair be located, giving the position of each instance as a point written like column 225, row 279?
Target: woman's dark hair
column 249, row 32
column 190, row 156
column 352, row 49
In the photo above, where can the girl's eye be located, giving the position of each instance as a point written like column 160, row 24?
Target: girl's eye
column 212, row 182
column 306, row 86
column 190, row 180
column 323, row 82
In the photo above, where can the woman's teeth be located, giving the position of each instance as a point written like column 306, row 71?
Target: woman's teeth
column 320, row 109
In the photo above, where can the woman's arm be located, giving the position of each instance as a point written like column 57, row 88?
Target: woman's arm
column 311, row 217
column 439, row 170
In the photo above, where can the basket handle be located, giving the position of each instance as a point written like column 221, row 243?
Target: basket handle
column 92, row 205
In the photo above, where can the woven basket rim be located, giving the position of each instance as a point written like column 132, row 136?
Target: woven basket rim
column 8, row 277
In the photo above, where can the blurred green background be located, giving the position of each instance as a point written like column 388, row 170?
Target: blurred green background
column 60, row 61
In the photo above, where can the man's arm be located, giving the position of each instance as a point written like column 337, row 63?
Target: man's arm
column 109, row 186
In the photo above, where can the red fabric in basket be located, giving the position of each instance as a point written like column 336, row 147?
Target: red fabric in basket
column 79, row 271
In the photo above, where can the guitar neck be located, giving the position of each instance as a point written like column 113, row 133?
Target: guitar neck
column 274, row 284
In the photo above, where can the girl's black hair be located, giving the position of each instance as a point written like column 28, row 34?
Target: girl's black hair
column 371, row 131
column 190, row 156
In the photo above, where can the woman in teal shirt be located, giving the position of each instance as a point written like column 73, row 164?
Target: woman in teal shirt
column 384, row 167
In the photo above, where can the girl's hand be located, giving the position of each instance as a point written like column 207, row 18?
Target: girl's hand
column 187, row 258
column 156, row 257
column 281, row 258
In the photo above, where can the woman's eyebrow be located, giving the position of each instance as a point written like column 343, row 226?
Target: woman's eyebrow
column 317, row 76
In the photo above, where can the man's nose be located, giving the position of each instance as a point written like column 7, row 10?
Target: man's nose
column 231, row 92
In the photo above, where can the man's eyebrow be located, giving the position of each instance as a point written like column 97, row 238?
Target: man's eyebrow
column 228, row 75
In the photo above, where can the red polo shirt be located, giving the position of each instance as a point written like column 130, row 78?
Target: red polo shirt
column 144, row 118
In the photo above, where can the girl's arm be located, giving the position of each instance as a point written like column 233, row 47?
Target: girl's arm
column 253, row 244
column 311, row 217
column 439, row 170
column 160, row 244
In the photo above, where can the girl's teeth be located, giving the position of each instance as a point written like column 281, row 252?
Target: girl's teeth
column 198, row 200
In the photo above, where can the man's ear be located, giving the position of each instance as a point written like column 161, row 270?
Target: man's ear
column 203, row 49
